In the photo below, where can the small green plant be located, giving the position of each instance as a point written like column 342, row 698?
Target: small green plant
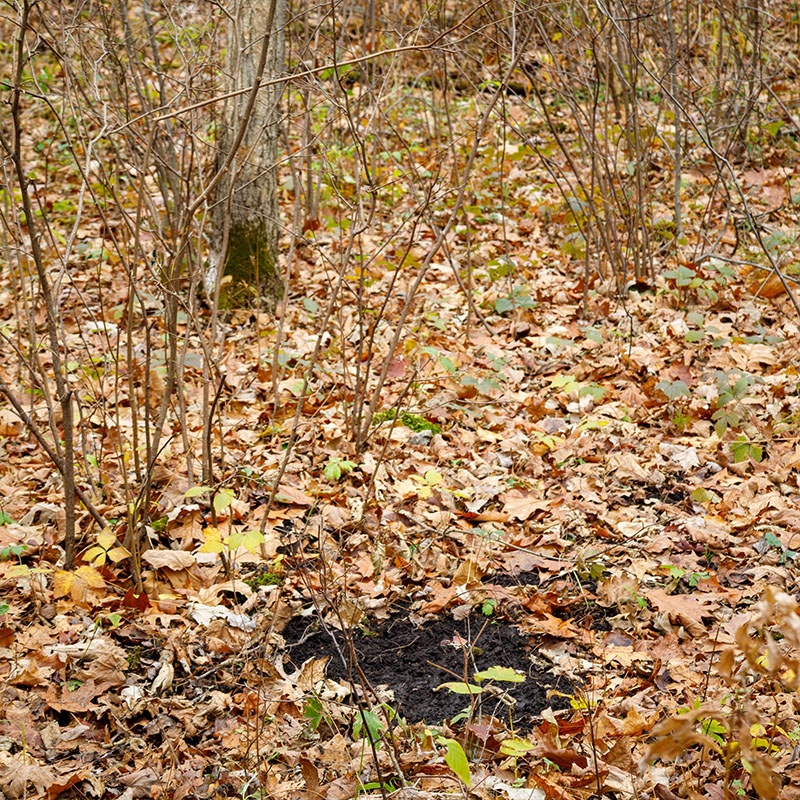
column 13, row 550
column 569, row 385
column 265, row 579
column 215, row 542
column 373, row 786
column 133, row 657
column 492, row 674
column 488, row 607
column 315, row 714
column 701, row 282
column 518, row 297
column 771, row 540
column 733, row 387
column 641, row 602
column 677, row 574
column 335, row 467
column 368, row 724
column 456, row 759
column 744, row 450
column 677, row 392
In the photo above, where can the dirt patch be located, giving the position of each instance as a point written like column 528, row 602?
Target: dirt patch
column 413, row 661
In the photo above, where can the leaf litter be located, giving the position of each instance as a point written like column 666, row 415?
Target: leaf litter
column 641, row 463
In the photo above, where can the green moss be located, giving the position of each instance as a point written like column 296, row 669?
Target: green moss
column 412, row 421
column 251, row 271
column 265, row 579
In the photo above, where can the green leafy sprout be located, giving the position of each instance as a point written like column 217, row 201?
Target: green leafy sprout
column 335, row 467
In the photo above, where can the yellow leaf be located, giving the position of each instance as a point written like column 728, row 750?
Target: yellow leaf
column 106, row 539
column 118, row 554
column 432, row 477
column 212, row 547
column 62, row 583
column 94, row 580
column 212, row 534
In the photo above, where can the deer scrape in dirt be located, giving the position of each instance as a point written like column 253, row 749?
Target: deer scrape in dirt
column 402, row 656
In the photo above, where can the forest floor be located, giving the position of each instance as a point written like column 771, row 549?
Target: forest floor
column 547, row 575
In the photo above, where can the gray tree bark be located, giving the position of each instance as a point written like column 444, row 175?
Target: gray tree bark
column 246, row 220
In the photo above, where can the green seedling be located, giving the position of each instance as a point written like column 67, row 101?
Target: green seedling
column 678, row 574
column 488, row 607
column 677, row 392
column 15, row 550
column 335, row 467
column 569, row 385
column 744, row 450
column 315, row 714
column 729, row 409
column 368, row 724
column 221, row 499
column 215, row 542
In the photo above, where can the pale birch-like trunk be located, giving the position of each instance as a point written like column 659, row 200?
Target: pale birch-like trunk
column 246, row 222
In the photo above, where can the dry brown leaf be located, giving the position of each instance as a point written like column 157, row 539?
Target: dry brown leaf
column 175, row 560
column 688, row 610
column 19, row 771
column 521, row 505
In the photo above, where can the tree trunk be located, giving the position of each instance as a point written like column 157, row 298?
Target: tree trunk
column 246, row 223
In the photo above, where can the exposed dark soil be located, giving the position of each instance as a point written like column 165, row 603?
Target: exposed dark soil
column 518, row 579
column 413, row 661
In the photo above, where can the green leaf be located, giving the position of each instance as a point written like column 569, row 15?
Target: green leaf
column 332, row 471
column 594, row 391
column 196, row 490
column 313, row 712
column 222, row 500
column 447, row 363
column 673, row 389
column 503, row 304
column 374, row 726
column 500, row 674
column 700, row 495
column 594, row 334
column 459, row 687
column 253, row 540
column 456, row 759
